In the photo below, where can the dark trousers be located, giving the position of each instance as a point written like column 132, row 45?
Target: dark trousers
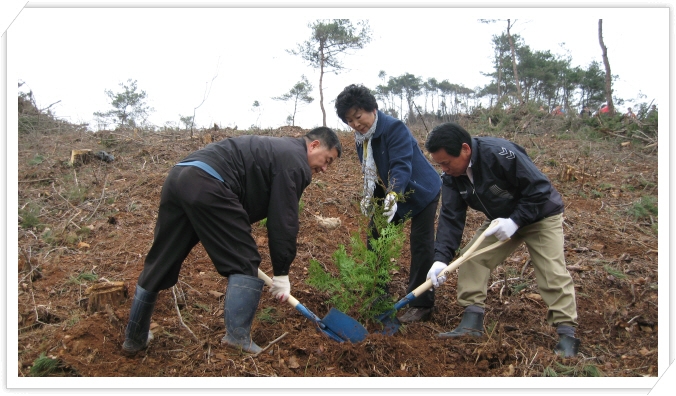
column 421, row 242
column 195, row 207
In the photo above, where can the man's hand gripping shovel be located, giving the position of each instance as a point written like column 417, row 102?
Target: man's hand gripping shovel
column 336, row 325
column 391, row 324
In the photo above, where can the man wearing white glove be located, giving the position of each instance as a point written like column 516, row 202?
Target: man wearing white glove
column 213, row 196
column 496, row 177
column 434, row 272
column 503, row 230
column 281, row 288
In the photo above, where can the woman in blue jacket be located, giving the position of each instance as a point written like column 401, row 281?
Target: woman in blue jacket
column 394, row 166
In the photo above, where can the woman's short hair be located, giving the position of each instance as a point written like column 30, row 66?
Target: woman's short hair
column 357, row 96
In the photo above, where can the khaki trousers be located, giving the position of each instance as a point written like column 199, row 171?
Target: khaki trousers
column 544, row 240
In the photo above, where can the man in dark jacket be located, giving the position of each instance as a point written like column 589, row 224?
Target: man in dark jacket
column 497, row 178
column 213, row 196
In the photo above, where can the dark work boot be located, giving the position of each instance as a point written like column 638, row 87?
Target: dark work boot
column 416, row 314
column 138, row 334
column 241, row 301
column 567, row 346
column 472, row 324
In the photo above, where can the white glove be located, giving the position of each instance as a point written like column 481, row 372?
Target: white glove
column 504, row 229
column 390, row 206
column 281, row 288
column 433, row 273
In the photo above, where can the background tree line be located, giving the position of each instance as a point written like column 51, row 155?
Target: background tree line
column 545, row 79
column 520, row 76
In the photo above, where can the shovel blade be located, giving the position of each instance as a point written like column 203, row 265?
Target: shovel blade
column 331, row 334
column 344, row 326
column 390, row 323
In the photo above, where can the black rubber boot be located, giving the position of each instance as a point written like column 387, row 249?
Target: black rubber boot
column 417, row 314
column 567, row 346
column 138, row 334
column 472, row 324
column 241, row 301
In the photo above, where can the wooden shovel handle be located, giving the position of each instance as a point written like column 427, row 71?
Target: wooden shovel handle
column 261, row 275
column 457, row 263
column 469, row 252
column 465, row 256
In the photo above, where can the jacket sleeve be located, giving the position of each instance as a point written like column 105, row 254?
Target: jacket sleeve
column 287, row 188
column 533, row 186
column 398, row 144
column 451, row 222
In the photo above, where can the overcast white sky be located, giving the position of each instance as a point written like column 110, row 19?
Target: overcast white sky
column 73, row 55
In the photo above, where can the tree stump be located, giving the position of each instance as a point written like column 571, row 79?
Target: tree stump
column 80, row 156
column 102, row 294
column 567, row 173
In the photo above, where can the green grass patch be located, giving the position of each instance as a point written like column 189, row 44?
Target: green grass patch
column 614, row 272
column 71, row 238
column 517, row 287
column 490, row 328
column 82, row 278
column 43, row 366
column 643, row 208
column 268, row 315
column 83, row 231
column 76, row 194
column 49, row 238
column 36, row 160
column 581, row 370
column 201, row 306
column 29, row 217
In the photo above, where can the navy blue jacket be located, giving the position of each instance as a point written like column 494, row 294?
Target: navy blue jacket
column 506, row 184
column 402, row 166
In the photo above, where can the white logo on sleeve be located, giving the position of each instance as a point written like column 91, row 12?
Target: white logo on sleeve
column 508, row 153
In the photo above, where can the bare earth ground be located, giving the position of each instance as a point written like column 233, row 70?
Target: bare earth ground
column 100, row 219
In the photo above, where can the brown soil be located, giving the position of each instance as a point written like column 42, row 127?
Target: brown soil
column 611, row 255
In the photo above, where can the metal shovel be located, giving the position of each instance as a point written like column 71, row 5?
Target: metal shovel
column 391, row 323
column 336, row 325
